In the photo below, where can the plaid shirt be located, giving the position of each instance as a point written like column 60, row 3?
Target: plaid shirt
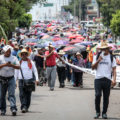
column 79, row 63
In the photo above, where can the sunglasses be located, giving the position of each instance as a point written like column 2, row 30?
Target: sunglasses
column 105, row 49
column 23, row 54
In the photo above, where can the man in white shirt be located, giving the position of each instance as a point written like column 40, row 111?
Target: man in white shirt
column 8, row 64
column 105, row 66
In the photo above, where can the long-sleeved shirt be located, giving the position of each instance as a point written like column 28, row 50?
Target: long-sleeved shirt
column 79, row 63
column 27, row 72
column 59, row 63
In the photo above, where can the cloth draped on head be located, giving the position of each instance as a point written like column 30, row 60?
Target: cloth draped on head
column 7, row 47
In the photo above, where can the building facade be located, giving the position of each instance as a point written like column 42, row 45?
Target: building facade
column 92, row 10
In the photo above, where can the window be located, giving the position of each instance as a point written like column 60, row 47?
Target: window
column 90, row 8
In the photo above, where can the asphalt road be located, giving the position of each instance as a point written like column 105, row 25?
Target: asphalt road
column 66, row 104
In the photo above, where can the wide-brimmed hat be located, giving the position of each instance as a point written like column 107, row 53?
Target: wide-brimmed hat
column 104, row 45
column 61, row 52
column 24, row 51
column 79, row 54
column 51, row 46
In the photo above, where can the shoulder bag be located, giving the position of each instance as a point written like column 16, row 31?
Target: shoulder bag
column 28, row 84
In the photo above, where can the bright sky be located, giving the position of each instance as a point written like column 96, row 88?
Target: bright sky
column 40, row 12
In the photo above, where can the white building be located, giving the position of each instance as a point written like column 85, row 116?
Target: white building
column 50, row 12
column 92, row 10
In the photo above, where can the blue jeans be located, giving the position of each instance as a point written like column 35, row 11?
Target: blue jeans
column 10, row 87
column 25, row 96
column 0, row 96
column 72, row 78
column 89, row 64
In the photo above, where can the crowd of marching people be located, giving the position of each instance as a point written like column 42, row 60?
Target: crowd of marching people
column 29, row 65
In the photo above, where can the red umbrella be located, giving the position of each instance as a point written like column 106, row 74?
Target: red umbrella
column 73, row 30
column 75, row 41
column 56, row 38
column 80, row 38
column 78, row 35
column 68, row 48
column 37, row 25
column 29, row 43
column 72, row 36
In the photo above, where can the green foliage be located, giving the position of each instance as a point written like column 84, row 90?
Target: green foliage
column 25, row 20
column 11, row 12
column 108, row 8
column 115, row 23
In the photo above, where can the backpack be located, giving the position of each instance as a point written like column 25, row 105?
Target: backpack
column 111, row 56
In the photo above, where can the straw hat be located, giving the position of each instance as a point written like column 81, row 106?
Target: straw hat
column 24, row 51
column 61, row 52
column 104, row 45
column 51, row 46
column 79, row 54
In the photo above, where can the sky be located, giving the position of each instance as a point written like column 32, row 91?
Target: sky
column 39, row 12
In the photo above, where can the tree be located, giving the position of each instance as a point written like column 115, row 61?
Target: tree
column 25, row 20
column 11, row 12
column 108, row 8
column 115, row 23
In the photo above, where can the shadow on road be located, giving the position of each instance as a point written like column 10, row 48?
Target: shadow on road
column 34, row 112
column 115, row 88
column 81, row 88
column 109, row 119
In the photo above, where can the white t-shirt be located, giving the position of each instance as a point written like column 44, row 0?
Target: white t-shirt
column 105, row 66
column 27, row 72
column 59, row 63
column 8, row 71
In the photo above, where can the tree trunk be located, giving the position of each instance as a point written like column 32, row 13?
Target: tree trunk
column 9, row 35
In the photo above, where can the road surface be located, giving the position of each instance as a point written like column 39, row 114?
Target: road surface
column 66, row 104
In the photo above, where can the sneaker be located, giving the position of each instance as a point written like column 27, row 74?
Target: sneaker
column 23, row 110
column 104, row 116
column 74, row 85
column 27, row 110
column 81, row 86
column 3, row 113
column 14, row 112
column 97, row 116
column 51, row 89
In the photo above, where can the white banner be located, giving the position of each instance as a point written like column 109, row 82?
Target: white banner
column 93, row 72
column 118, row 74
column 89, row 71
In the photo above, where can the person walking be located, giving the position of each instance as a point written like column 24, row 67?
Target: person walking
column 27, row 72
column 77, row 73
column 105, row 65
column 61, row 69
column 8, row 64
column 41, row 67
column 51, row 56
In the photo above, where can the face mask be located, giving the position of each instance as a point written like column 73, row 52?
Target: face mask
column 103, row 52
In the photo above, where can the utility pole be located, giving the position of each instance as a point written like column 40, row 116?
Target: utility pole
column 80, row 9
column 74, row 11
